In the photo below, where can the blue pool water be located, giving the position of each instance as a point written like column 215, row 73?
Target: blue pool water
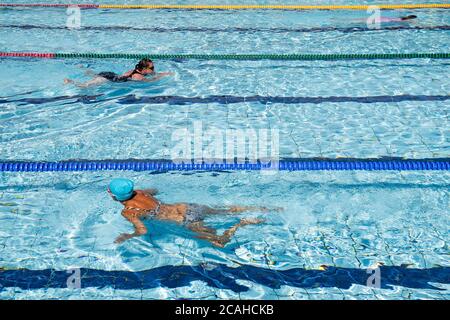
column 348, row 221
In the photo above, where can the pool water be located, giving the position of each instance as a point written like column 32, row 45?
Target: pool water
column 335, row 225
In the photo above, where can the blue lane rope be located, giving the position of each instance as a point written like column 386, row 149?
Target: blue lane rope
column 283, row 165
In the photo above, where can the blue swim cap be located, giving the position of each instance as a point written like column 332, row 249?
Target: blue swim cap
column 121, row 188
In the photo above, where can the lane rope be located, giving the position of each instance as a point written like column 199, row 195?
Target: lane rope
column 268, row 56
column 49, row 5
column 235, row 7
column 282, row 165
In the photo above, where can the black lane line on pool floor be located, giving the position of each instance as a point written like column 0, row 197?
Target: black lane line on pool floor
column 226, row 99
column 221, row 276
column 231, row 29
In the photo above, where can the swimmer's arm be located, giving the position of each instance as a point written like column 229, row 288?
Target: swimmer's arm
column 163, row 74
column 127, row 74
column 139, row 228
column 156, row 77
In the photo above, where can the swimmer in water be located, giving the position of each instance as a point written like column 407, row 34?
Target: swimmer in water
column 141, row 204
column 389, row 20
column 144, row 68
column 401, row 19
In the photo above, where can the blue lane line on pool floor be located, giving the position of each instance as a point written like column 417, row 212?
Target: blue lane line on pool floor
column 226, row 99
column 231, row 29
column 224, row 277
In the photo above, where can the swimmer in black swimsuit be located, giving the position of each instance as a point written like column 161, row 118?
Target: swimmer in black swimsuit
column 141, row 204
column 144, row 68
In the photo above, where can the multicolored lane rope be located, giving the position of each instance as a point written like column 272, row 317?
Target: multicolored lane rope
column 234, row 7
column 298, row 57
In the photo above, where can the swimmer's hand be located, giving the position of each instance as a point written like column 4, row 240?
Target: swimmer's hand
column 124, row 237
column 139, row 228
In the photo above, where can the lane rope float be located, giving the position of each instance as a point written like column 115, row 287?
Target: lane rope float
column 282, row 165
column 246, row 57
column 233, row 7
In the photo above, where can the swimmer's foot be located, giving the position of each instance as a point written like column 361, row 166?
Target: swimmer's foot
column 67, row 81
column 250, row 221
column 221, row 241
column 273, row 209
column 218, row 243
column 239, row 209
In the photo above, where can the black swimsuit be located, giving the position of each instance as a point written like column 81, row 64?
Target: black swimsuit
column 114, row 77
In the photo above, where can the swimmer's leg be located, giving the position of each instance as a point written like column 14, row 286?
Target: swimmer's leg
column 87, row 71
column 199, row 227
column 90, row 72
column 210, row 234
column 240, row 209
column 93, row 82
column 205, row 233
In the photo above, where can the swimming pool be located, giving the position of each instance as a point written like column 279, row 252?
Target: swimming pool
column 349, row 221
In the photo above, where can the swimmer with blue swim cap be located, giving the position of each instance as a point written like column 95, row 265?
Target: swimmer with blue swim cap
column 141, row 204
column 121, row 189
